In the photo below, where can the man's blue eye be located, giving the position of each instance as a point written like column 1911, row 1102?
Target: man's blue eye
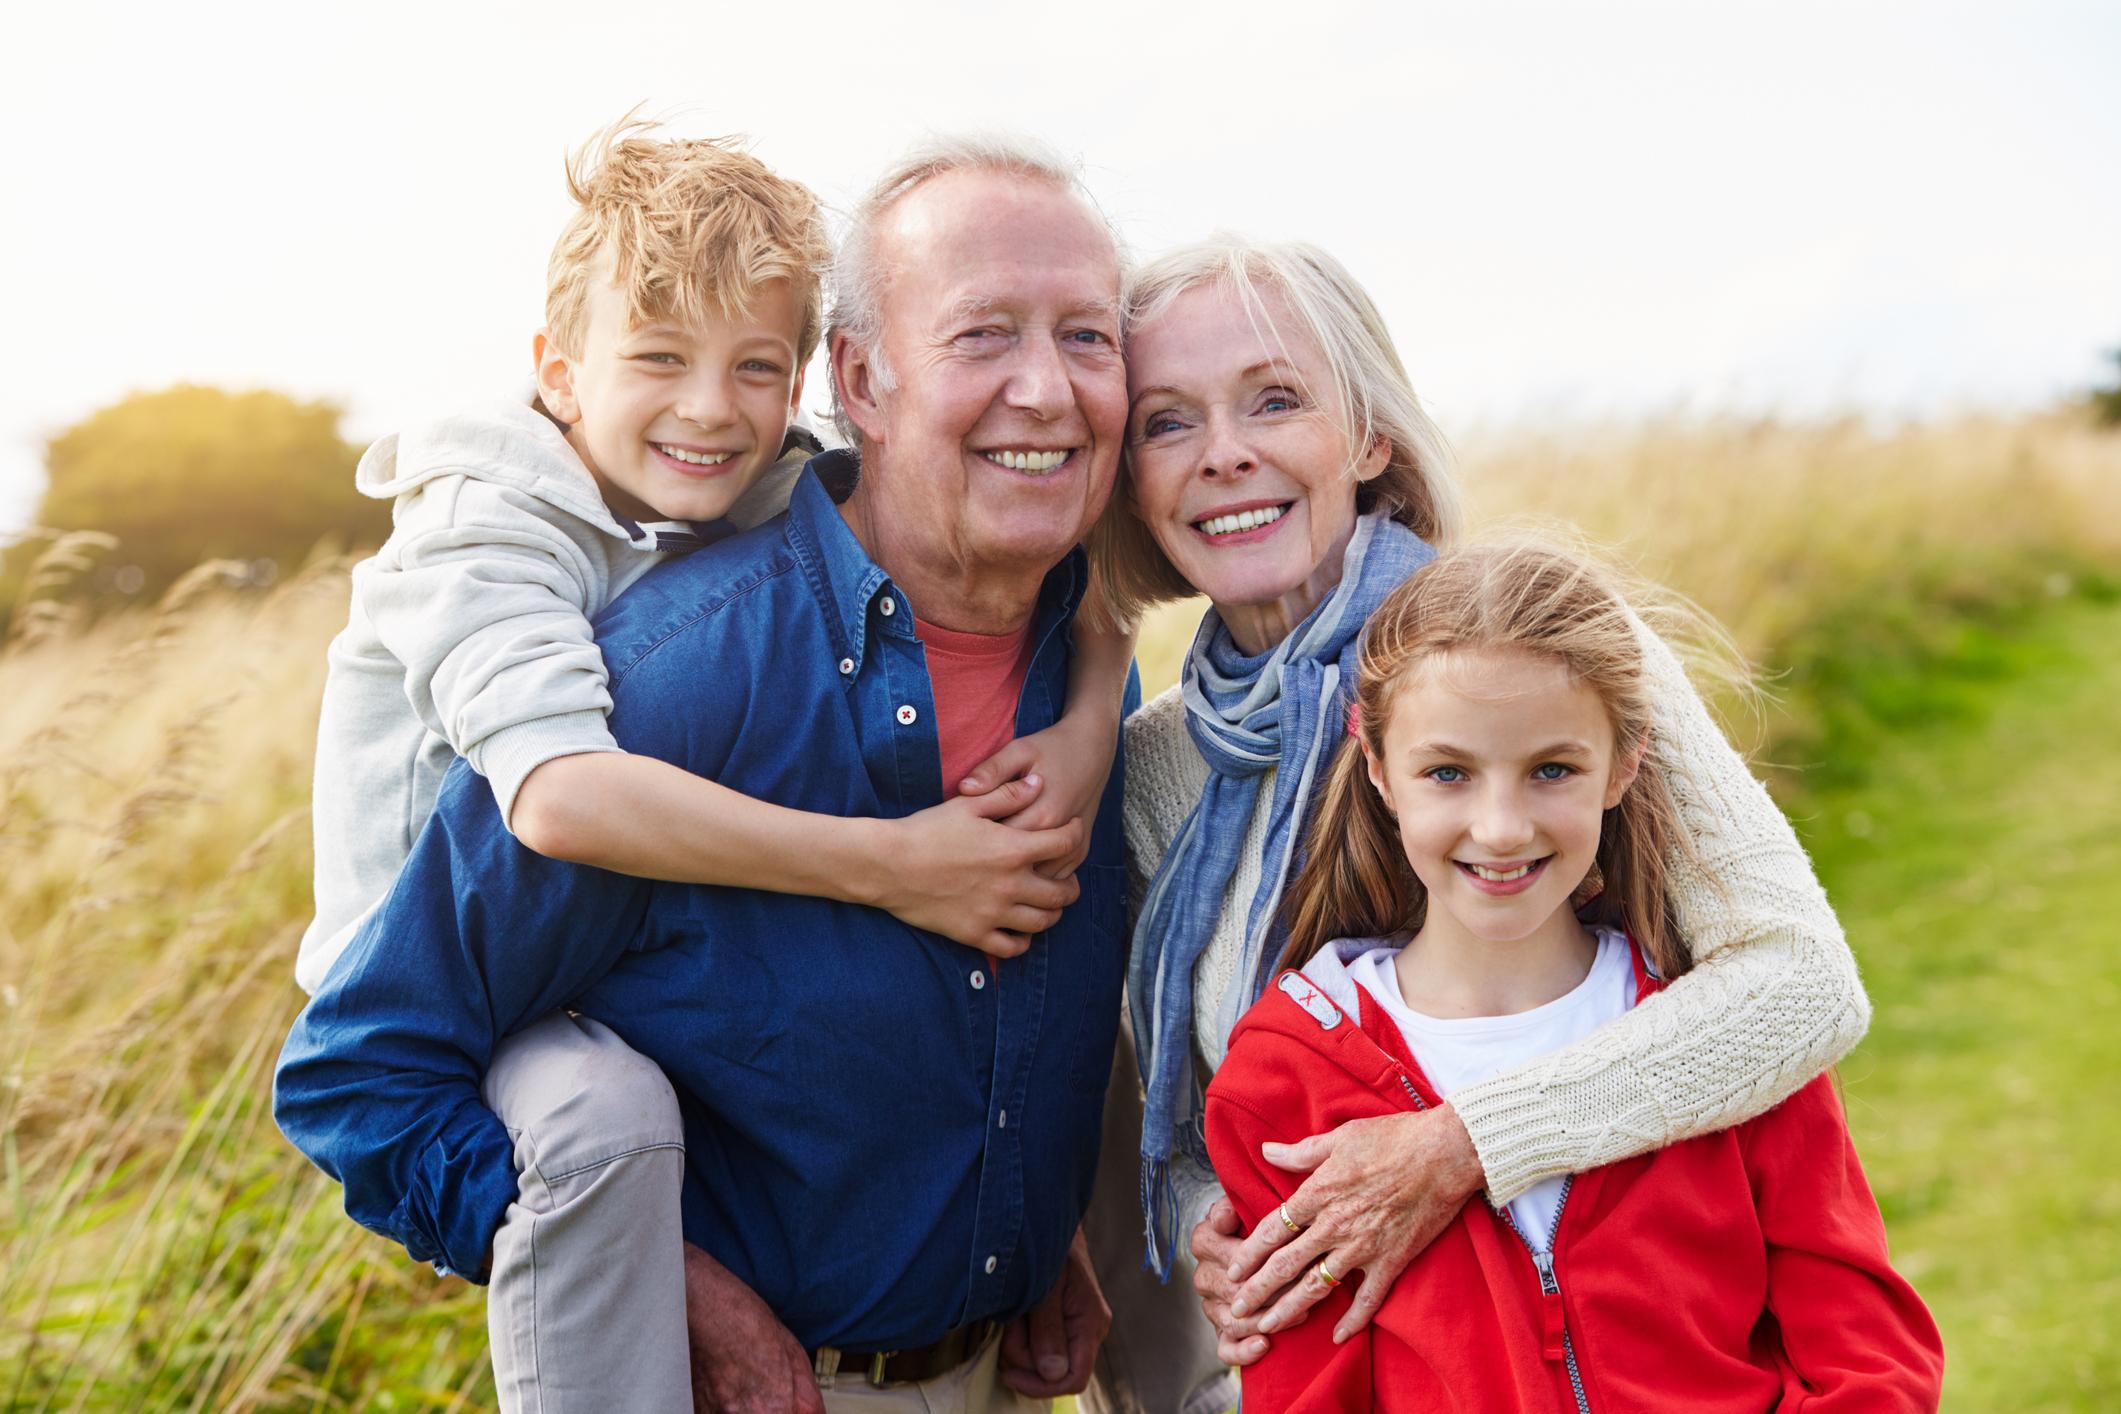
column 1089, row 336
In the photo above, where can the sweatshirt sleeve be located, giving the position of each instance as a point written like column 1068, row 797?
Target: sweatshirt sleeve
column 1772, row 1001
column 1855, row 1336
column 1303, row 1370
column 489, row 612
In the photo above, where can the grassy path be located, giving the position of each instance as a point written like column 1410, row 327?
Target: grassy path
column 1979, row 872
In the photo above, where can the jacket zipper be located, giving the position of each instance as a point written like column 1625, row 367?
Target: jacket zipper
column 1550, row 1293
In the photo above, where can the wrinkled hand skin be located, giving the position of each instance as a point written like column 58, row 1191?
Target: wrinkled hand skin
column 744, row 1361
column 1379, row 1191
column 1051, row 1352
column 1215, row 1246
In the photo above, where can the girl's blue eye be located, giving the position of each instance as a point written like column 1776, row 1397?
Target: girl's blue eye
column 1445, row 775
column 1552, row 771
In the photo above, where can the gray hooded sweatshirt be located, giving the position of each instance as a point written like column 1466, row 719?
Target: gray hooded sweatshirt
column 470, row 636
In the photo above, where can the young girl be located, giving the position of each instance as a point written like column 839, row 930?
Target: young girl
column 1485, row 885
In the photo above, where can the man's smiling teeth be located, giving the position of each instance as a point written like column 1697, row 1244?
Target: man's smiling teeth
column 1035, row 462
column 1243, row 520
column 1502, row 876
column 695, row 458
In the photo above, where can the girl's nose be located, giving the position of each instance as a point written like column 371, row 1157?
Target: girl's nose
column 1502, row 825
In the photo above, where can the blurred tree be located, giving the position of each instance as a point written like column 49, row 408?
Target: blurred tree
column 193, row 473
column 2106, row 402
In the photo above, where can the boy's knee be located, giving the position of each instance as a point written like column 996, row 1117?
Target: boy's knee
column 574, row 1095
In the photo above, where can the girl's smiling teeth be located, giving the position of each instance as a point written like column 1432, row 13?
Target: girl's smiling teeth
column 1499, row 876
column 692, row 458
column 1241, row 521
column 1036, row 462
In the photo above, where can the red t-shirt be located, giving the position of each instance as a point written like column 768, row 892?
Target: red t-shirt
column 977, row 678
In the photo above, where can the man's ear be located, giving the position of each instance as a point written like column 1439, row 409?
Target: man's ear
column 1625, row 771
column 854, row 379
column 555, row 375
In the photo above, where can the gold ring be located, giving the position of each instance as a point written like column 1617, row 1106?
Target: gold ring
column 1325, row 1276
column 1287, row 1221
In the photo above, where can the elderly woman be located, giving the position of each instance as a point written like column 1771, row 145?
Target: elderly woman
column 1279, row 463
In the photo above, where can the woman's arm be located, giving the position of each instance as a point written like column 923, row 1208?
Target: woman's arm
column 953, row 869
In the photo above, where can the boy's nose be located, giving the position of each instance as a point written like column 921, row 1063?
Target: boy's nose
column 705, row 402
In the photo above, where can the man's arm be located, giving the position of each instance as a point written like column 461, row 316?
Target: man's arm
column 379, row 1080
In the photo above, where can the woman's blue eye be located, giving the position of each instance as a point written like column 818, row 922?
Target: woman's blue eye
column 1278, row 402
column 1159, row 424
column 1552, row 771
column 1445, row 775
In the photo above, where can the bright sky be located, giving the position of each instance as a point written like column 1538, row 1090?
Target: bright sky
column 1564, row 209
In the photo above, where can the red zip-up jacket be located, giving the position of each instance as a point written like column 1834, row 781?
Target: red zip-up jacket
column 1744, row 1270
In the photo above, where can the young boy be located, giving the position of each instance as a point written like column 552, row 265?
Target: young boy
column 683, row 302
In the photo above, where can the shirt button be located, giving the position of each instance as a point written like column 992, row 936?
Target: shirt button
column 846, row 666
column 991, row 1265
column 1003, row 1122
column 888, row 607
column 907, row 716
column 979, row 979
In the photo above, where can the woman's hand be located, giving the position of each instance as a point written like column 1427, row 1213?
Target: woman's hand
column 1073, row 757
column 1215, row 1248
column 1379, row 1192
column 957, row 870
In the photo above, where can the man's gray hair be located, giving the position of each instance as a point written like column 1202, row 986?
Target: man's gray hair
column 858, row 277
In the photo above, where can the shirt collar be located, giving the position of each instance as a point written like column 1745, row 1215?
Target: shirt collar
column 851, row 587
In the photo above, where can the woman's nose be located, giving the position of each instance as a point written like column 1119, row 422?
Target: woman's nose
column 1224, row 452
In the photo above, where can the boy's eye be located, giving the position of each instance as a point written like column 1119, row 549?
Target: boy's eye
column 1552, row 771
column 760, row 365
column 1445, row 775
column 662, row 358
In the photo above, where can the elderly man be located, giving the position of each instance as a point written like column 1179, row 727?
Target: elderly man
column 888, row 1139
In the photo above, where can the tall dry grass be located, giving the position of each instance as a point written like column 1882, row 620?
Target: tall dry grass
column 162, row 1248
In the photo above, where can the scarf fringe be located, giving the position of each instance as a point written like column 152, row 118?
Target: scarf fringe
column 1160, row 1208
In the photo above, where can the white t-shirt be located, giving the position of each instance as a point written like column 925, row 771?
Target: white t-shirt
column 1462, row 1050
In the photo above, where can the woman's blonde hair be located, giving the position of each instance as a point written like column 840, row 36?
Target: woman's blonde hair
column 684, row 228
column 1370, row 391
column 1560, row 605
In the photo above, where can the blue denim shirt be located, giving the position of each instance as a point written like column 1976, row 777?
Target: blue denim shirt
column 887, row 1134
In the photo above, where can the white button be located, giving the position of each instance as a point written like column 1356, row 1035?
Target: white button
column 888, row 607
column 979, row 979
column 907, row 716
column 846, row 666
column 991, row 1264
column 1003, row 1122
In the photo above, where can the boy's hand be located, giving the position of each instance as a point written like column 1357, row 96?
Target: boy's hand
column 955, row 869
column 1074, row 757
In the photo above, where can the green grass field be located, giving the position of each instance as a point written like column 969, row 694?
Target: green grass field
column 1977, row 870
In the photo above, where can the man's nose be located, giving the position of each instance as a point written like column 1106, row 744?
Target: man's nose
column 1039, row 383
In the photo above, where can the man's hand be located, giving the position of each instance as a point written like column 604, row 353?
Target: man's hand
column 1050, row 1352
column 1215, row 1248
column 1074, row 758
column 957, row 870
column 1379, row 1192
column 744, row 1361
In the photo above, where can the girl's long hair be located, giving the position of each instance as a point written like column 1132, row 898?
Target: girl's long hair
column 1356, row 881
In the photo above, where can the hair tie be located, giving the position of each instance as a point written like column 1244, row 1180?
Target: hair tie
column 1355, row 717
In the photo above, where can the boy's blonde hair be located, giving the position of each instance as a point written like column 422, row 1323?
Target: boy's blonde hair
column 686, row 229
column 1560, row 605
column 1370, row 392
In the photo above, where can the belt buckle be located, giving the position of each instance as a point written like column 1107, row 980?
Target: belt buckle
column 876, row 1368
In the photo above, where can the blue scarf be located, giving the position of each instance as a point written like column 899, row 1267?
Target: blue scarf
column 1286, row 709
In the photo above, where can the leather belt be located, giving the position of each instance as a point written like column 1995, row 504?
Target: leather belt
column 888, row 1367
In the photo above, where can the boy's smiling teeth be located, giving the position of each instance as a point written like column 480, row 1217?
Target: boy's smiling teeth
column 695, row 458
column 1243, row 520
column 1035, row 462
column 1502, row 876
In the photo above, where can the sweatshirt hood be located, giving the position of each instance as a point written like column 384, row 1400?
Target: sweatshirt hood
column 508, row 444
column 1322, row 1009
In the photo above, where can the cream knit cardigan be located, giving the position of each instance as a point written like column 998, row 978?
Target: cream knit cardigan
column 1773, row 999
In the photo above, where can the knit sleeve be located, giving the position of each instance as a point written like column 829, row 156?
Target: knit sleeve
column 1772, row 1001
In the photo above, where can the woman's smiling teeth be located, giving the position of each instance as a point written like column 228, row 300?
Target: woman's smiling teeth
column 1037, row 463
column 1243, row 520
column 692, row 458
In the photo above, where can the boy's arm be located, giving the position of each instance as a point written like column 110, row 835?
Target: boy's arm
column 1773, row 1000
column 1074, row 755
column 1302, row 1368
column 379, row 1081
column 1854, row 1332
column 952, row 869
